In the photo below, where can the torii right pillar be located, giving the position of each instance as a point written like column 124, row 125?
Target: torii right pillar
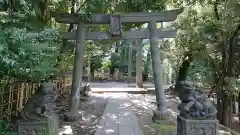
column 161, row 113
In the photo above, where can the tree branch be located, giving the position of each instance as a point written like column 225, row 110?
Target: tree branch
column 229, row 67
column 215, row 8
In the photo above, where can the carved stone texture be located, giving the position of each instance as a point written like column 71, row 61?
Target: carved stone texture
column 38, row 115
column 194, row 104
column 196, row 127
column 41, row 105
column 44, row 127
column 115, row 25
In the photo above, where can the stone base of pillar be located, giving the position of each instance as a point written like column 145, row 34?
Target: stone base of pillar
column 196, row 127
column 70, row 116
column 161, row 115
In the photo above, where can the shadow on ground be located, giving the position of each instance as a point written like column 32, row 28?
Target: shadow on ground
column 91, row 109
column 143, row 106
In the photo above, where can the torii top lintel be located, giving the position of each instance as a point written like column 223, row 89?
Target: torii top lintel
column 139, row 17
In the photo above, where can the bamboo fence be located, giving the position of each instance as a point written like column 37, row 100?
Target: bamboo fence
column 14, row 95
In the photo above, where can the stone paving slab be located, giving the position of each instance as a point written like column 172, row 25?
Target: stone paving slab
column 118, row 118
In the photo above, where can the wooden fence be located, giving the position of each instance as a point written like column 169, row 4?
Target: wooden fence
column 14, row 96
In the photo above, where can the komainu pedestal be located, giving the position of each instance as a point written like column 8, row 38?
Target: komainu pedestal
column 197, row 113
column 44, row 127
column 38, row 115
column 196, row 127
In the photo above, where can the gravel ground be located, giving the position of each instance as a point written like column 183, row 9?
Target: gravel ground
column 92, row 109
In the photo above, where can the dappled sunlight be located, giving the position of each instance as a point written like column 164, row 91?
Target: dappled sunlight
column 125, row 105
column 112, row 116
column 124, row 113
column 222, row 132
column 99, row 127
column 90, row 111
column 174, row 113
column 65, row 130
column 89, row 117
column 143, row 103
column 93, row 101
column 109, row 130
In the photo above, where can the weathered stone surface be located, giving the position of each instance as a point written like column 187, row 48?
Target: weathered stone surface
column 44, row 127
column 197, row 113
column 196, row 127
column 115, row 25
column 38, row 115
column 194, row 105
column 161, row 115
column 41, row 105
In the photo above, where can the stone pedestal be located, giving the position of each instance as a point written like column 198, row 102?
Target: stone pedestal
column 161, row 115
column 44, row 127
column 196, row 127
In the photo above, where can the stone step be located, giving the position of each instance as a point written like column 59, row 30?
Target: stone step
column 120, row 90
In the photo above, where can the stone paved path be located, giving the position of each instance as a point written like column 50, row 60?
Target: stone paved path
column 118, row 118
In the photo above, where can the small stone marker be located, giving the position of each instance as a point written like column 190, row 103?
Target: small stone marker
column 38, row 116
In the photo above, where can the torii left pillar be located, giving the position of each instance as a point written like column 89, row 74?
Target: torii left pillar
column 74, row 98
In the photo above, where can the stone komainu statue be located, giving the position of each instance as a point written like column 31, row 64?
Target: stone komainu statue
column 85, row 89
column 42, row 104
column 194, row 104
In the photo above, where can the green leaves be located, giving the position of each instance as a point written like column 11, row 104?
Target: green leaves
column 28, row 55
column 4, row 128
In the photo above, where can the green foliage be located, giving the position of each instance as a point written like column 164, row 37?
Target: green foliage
column 115, row 59
column 96, row 63
column 28, row 55
column 4, row 128
column 205, row 30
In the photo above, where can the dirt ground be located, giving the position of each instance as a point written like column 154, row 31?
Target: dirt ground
column 143, row 105
column 143, row 108
column 91, row 109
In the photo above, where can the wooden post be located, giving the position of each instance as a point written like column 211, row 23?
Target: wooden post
column 74, row 99
column 129, row 63
column 139, row 79
column 169, row 74
column 21, row 96
column 157, row 65
column 89, row 68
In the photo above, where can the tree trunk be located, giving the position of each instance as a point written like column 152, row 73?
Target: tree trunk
column 226, row 110
column 139, row 78
column 183, row 70
column 112, row 71
column 239, row 105
column 219, row 97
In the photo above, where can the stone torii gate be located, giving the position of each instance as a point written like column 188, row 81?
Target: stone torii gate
column 115, row 22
